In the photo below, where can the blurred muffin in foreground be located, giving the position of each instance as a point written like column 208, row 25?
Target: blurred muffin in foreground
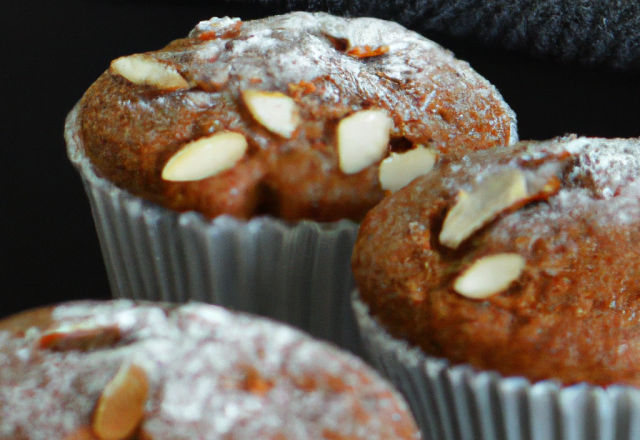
column 116, row 370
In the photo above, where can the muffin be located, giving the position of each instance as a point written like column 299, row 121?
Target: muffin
column 509, row 280
column 119, row 369
column 267, row 141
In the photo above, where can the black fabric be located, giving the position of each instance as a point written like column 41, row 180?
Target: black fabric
column 589, row 32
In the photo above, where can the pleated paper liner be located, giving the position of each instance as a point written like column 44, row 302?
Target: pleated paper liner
column 459, row 402
column 298, row 273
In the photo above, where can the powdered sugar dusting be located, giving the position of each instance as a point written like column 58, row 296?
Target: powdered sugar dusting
column 211, row 372
column 575, row 146
column 330, row 67
column 214, row 24
column 611, row 165
column 601, row 187
column 278, row 51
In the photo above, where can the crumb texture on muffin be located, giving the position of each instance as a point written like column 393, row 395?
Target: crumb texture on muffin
column 118, row 370
column 286, row 83
column 538, row 277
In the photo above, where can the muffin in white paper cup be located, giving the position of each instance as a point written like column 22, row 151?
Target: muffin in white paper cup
column 265, row 143
column 513, row 281
column 298, row 273
column 459, row 402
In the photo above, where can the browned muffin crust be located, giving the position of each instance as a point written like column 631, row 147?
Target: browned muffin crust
column 563, row 298
column 330, row 68
column 116, row 370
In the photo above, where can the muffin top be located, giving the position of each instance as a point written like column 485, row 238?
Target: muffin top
column 525, row 262
column 290, row 116
column 116, row 370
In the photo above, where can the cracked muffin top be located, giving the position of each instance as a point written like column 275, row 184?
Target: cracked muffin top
column 298, row 116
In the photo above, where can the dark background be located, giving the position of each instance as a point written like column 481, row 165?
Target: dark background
column 52, row 50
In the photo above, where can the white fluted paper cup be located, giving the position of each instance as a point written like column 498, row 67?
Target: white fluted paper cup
column 459, row 402
column 298, row 273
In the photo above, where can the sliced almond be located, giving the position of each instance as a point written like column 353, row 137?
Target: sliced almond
column 121, row 405
column 399, row 169
column 473, row 210
column 489, row 275
column 205, row 157
column 362, row 139
column 276, row 111
column 84, row 336
column 144, row 69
